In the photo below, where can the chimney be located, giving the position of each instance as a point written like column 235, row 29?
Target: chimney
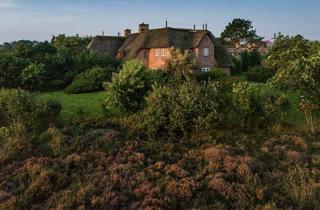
column 143, row 27
column 206, row 26
column 194, row 27
column 127, row 32
column 202, row 26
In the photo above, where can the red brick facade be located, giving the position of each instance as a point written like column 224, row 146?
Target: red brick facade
column 205, row 61
column 155, row 58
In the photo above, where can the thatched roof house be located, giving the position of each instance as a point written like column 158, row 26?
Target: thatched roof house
column 152, row 46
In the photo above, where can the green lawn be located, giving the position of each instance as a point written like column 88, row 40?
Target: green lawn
column 91, row 104
column 72, row 103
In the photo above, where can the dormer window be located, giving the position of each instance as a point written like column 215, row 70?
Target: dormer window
column 205, row 52
column 157, row 52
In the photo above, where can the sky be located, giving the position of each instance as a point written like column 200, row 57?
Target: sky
column 40, row 19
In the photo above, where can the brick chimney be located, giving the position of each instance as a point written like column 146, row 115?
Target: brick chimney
column 127, row 32
column 143, row 27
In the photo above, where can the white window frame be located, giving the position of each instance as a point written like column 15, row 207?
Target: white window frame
column 205, row 52
column 163, row 52
column 205, row 69
column 157, row 52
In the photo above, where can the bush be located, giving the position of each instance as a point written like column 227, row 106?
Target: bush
column 213, row 74
column 236, row 66
column 33, row 76
column 257, row 107
column 258, row 74
column 175, row 112
column 129, row 87
column 22, row 118
column 55, row 85
column 90, row 81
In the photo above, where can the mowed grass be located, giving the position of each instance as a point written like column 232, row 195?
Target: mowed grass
column 72, row 104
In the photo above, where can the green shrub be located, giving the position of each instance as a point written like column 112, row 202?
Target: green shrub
column 55, row 85
column 129, row 87
column 258, row 74
column 236, row 66
column 213, row 74
column 257, row 107
column 22, row 118
column 90, row 81
column 175, row 112
column 32, row 76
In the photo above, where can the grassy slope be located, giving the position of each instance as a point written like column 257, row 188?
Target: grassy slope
column 89, row 102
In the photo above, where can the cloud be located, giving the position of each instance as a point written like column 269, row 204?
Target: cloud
column 6, row 4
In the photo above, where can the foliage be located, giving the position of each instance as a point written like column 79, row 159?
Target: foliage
column 298, row 70
column 258, row 74
column 22, row 118
column 129, row 87
column 239, row 31
column 236, row 69
column 213, row 74
column 256, row 107
column 248, row 60
column 75, row 43
column 175, row 112
column 98, row 168
column 181, row 64
column 37, row 66
column 286, row 50
column 302, row 74
column 32, row 76
column 245, row 59
column 90, row 81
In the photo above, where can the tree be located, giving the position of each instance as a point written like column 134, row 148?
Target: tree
column 180, row 64
column 32, row 76
column 244, row 56
column 240, row 31
column 287, row 49
column 129, row 87
column 254, row 58
column 303, row 75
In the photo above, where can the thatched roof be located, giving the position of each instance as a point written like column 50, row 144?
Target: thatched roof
column 183, row 39
column 106, row 44
column 172, row 37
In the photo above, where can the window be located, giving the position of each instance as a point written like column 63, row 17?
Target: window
column 205, row 69
column 163, row 52
column 156, row 52
column 206, row 52
column 145, row 54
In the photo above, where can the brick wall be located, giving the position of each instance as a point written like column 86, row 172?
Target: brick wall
column 205, row 61
column 148, row 56
column 158, row 62
column 143, row 56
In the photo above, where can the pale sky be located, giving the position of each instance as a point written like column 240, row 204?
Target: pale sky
column 40, row 19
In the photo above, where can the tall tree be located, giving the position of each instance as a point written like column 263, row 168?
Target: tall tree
column 240, row 31
column 296, row 63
